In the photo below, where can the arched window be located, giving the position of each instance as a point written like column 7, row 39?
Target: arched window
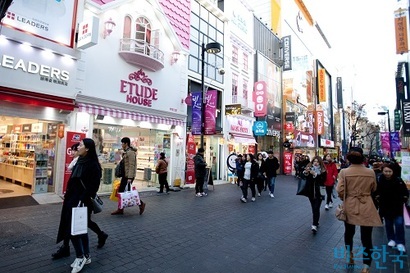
column 143, row 30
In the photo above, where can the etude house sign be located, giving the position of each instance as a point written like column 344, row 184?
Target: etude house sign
column 139, row 93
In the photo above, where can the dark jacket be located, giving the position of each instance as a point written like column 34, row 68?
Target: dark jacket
column 89, row 172
column 314, row 184
column 240, row 167
column 391, row 194
column 271, row 166
column 254, row 170
column 200, row 166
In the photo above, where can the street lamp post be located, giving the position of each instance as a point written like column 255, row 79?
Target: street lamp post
column 212, row 48
column 388, row 126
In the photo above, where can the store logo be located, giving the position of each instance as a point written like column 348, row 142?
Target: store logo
column 85, row 28
column 139, row 94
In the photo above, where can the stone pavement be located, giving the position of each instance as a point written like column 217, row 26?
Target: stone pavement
column 183, row 233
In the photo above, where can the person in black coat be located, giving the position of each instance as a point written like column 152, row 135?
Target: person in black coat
column 240, row 168
column 249, row 178
column 270, row 169
column 315, row 175
column 82, row 186
column 200, row 172
column 391, row 194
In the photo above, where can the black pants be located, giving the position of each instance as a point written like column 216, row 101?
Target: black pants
column 315, row 204
column 260, row 183
column 162, row 178
column 199, row 184
column 245, row 184
column 365, row 236
column 329, row 192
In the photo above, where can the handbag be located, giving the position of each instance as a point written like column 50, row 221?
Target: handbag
column 79, row 220
column 120, row 169
column 129, row 198
column 406, row 216
column 303, row 188
column 97, row 204
column 340, row 209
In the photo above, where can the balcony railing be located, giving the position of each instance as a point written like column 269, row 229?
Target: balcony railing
column 141, row 53
column 246, row 105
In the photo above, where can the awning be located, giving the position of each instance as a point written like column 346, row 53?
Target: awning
column 117, row 113
column 35, row 99
column 243, row 139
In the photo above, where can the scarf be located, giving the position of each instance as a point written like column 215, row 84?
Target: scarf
column 316, row 169
column 79, row 166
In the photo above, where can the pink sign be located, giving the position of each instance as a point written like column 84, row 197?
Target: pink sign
column 190, row 165
column 259, row 97
column 287, row 164
column 210, row 112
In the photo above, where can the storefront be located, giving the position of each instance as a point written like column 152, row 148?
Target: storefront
column 240, row 137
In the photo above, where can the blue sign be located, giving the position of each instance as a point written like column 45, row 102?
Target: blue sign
column 260, row 128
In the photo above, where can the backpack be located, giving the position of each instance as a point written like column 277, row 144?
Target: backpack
column 120, row 169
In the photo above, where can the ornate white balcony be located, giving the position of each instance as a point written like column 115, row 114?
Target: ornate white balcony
column 141, row 53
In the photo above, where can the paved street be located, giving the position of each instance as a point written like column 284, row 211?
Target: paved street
column 183, row 233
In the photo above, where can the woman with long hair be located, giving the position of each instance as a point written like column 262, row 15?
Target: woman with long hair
column 358, row 183
column 315, row 175
column 162, row 167
column 260, row 178
column 82, row 186
column 249, row 178
column 331, row 176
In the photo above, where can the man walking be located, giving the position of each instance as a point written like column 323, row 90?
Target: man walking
column 271, row 167
column 200, row 172
column 130, row 167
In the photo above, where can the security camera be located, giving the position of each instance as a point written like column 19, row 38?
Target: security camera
column 221, row 71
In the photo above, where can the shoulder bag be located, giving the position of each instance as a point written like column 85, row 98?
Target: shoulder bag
column 96, row 201
column 120, row 169
column 303, row 188
column 340, row 209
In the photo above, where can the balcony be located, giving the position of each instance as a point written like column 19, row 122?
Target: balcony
column 141, row 53
column 246, row 105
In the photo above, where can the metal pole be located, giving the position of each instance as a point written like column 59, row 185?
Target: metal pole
column 203, row 95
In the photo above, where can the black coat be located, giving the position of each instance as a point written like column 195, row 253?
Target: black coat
column 200, row 166
column 314, row 184
column 391, row 196
column 89, row 172
column 271, row 166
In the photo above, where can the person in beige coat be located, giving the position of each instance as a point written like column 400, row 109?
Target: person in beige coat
column 359, row 183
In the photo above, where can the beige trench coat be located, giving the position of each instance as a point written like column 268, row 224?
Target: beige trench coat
column 360, row 182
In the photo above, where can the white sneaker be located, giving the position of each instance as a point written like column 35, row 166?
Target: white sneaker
column 203, row 194
column 330, row 205
column 259, row 195
column 253, row 199
column 198, row 195
column 271, row 195
column 87, row 261
column 243, row 200
column 391, row 243
column 314, row 229
column 326, row 207
column 78, row 264
column 401, row 248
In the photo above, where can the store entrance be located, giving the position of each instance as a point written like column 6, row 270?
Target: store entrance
column 27, row 156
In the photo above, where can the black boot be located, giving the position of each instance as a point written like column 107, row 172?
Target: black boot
column 101, row 239
column 63, row 251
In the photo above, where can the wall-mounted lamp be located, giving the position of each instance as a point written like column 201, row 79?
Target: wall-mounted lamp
column 108, row 26
column 175, row 57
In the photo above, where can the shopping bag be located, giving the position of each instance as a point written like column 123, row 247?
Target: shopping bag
column 303, row 188
column 115, row 187
column 79, row 220
column 406, row 216
column 128, row 199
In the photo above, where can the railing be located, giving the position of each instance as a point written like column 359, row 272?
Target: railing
column 141, row 47
column 243, row 102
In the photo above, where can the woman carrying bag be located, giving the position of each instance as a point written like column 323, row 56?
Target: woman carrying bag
column 162, row 170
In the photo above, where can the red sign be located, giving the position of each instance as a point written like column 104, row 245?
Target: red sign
column 320, row 123
column 139, row 93
column 259, row 97
column 251, row 149
column 289, row 127
column 190, row 165
column 71, row 139
column 287, row 164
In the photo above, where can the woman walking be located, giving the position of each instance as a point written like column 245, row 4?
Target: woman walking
column 392, row 193
column 162, row 171
column 82, row 186
column 331, row 176
column 359, row 183
column 249, row 178
column 260, row 178
column 315, row 175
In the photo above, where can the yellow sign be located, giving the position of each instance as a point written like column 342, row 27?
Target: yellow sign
column 322, row 85
column 400, row 24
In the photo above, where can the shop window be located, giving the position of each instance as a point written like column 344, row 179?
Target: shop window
column 143, row 34
column 235, row 55
column 245, row 90
column 234, row 88
column 245, row 61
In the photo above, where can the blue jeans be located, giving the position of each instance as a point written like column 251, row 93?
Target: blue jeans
column 272, row 181
column 395, row 229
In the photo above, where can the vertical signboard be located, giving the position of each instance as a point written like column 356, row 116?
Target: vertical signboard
column 339, row 90
column 322, row 85
column 71, row 139
column 287, row 53
column 309, row 86
column 191, row 152
column 196, row 113
column 287, row 164
column 406, row 117
column 210, row 112
column 260, row 95
column 320, row 123
column 400, row 25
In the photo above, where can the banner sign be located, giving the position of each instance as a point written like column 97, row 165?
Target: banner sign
column 196, row 113
column 287, row 53
column 190, row 164
column 322, row 85
column 233, row 109
column 210, row 112
column 406, row 117
column 339, row 90
column 259, row 97
column 71, row 139
column 400, row 25
column 287, row 163
column 320, row 123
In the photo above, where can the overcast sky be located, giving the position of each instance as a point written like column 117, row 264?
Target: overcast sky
column 362, row 33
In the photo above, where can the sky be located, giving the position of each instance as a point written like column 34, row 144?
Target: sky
column 362, row 35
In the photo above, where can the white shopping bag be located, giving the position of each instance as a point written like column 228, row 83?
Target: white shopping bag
column 79, row 220
column 128, row 199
